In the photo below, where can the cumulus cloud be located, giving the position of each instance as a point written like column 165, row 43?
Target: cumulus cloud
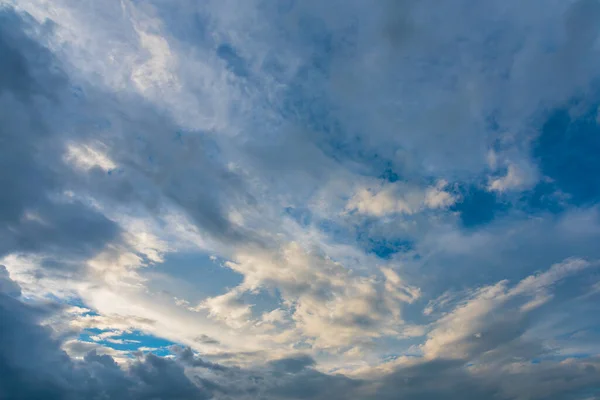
column 401, row 199
column 328, row 303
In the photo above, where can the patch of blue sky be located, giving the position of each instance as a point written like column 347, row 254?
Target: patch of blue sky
column 192, row 276
column 544, row 197
column 477, row 206
column 389, row 175
column 262, row 301
column 567, row 153
column 386, row 248
column 137, row 340
column 86, row 335
column 128, row 341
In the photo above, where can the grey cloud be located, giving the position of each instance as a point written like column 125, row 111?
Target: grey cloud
column 41, row 115
column 186, row 356
column 432, row 380
column 33, row 366
column 452, row 379
column 206, row 339
column 311, row 384
column 509, row 248
column 7, row 285
column 159, row 164
column 31, row 168
column 159, row 377
column 293, row 364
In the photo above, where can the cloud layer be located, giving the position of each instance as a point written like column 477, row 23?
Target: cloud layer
column 299, row 200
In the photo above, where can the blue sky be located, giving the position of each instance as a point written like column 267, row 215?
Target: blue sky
column 300, row 199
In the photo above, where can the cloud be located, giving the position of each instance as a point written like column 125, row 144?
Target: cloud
column 292, row 377
column 34, row 217
column 515, row 178
column 328, row 303
column 34, row 366
column 397, row 198
column 7, row 285
column 229, row 308
column 299, row 199
column 495, row 314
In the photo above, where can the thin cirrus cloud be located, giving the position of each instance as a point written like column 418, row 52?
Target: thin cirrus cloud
column 285, row 200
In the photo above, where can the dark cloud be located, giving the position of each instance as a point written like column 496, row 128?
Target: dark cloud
column 186, row 356
column 159, row 377
column 42, row 112
column 432, row 380
column 31, row 169
column 7, row 285
column 205, row 339
column 312, row 384
column 33, row 366
column 293, row 364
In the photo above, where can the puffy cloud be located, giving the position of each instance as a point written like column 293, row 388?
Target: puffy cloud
column 402, row 199
column 516, row 178
column 330, row 304
column 229, row 308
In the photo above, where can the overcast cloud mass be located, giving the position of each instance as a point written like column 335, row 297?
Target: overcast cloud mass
column 341, row 199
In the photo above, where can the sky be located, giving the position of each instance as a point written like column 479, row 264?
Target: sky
column 285, row 199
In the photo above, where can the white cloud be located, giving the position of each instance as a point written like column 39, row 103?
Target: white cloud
column 228, row 308
column 86, row 157
column 470, row 325
column 329, row 304
column 399, row 199
column 156, row 71
column 517, row 177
